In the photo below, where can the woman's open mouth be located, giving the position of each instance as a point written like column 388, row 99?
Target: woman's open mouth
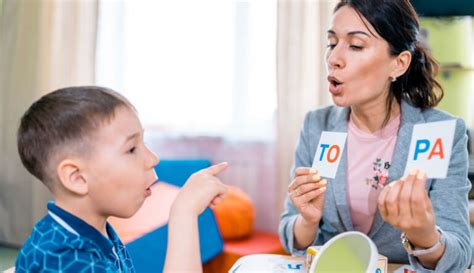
column 335, row 85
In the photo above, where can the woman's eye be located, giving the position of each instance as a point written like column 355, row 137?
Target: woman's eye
column 131, row 150
column 331, row 46
column 355, row 47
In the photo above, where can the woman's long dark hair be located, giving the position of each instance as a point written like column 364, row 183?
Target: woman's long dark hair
column 397, row 22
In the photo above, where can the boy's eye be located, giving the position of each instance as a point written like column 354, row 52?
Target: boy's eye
column 131, row 150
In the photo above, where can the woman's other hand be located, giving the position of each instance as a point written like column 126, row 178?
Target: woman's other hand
column 405, row 205
column 307, row 194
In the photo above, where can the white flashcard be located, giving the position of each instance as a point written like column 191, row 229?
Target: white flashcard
column 430, row 148
column 329, row 153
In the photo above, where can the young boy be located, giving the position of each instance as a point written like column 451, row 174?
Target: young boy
column 86, row 145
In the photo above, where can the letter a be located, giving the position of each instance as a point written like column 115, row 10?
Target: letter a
column 438, row 144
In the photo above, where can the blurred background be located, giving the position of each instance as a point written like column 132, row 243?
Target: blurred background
column 219, row 80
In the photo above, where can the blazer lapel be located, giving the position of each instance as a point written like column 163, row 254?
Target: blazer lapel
column 409, row 116
column 338, row 185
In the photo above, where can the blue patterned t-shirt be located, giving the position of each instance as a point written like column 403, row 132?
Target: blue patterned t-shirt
column 61, row 242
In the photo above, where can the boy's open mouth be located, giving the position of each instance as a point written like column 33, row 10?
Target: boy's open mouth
column 148, row 190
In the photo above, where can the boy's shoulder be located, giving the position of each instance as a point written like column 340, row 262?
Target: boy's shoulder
column 62, row 242
column 52, row 247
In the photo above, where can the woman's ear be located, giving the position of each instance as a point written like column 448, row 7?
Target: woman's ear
column 70, row 176
column 401, row 64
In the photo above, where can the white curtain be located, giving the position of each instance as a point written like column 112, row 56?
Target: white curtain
column 301, row 84
column 44, row 45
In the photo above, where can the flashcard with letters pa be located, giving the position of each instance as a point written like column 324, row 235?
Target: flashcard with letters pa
column 430, row 148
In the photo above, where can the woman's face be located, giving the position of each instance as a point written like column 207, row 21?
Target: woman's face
column 358, row 62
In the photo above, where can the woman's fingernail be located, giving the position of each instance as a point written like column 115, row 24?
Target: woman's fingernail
column 420, row 175
column 323, row 182
column 316, row 177
column 323, row 189
column 413, row 171
column 312, row 170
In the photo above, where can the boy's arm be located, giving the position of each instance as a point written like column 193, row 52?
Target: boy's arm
column 201, row 189
column 183, row 253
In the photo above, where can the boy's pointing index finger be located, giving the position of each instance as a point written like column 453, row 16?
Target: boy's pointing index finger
column 216, row 169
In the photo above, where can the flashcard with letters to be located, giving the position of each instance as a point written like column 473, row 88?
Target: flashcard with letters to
column 328, row 153
column 430, row 148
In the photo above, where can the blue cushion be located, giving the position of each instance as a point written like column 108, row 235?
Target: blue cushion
column 148, row 252
column 176, row 172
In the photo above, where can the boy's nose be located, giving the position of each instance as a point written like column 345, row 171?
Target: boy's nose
column 153, row 159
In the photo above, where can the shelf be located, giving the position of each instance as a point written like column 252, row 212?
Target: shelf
column 450, row 68
column 443, row 7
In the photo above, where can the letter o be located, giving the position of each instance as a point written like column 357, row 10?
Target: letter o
column 338, row 151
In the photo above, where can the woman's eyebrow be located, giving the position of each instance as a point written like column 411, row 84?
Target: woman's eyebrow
column 358, row 32
column 351, row 33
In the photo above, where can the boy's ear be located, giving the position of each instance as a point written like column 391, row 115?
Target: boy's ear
column 70, row 176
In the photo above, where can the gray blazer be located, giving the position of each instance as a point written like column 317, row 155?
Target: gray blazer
column 448, row 196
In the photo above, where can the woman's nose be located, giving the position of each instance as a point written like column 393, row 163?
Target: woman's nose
column 335, row 58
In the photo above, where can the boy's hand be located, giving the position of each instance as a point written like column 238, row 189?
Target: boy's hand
column 201, row 189
column 307, row 194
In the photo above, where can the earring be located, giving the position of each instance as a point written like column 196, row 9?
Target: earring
column 394, row 79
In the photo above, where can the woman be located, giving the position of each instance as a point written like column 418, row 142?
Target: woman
column 382, row 83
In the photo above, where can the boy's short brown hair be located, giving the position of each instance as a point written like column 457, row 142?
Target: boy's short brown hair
column 64, row 121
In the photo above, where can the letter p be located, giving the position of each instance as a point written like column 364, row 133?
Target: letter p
column 422, row 146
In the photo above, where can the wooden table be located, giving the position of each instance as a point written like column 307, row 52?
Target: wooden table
column 393, row 267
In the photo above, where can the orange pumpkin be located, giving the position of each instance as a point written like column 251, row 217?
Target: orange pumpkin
column 235, row 215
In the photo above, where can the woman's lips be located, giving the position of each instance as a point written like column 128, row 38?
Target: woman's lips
column 335, row 85
column 335, row 88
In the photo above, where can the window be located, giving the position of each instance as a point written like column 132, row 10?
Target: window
column 191, row 67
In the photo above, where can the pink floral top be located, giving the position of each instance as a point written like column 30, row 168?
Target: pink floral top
column 369, row 158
